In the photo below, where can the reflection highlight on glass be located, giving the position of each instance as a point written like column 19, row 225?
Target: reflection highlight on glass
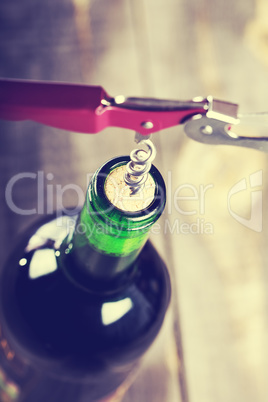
column 113, row 311
column 43, row 262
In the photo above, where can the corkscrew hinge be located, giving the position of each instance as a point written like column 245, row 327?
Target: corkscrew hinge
column 222, row 124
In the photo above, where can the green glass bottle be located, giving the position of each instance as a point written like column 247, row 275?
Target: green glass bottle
column 83, row 297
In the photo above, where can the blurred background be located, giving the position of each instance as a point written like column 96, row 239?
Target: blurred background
column 213, row 235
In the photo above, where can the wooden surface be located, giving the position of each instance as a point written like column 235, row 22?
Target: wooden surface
column 170, row 49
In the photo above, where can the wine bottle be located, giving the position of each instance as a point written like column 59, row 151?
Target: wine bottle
column 83, row 296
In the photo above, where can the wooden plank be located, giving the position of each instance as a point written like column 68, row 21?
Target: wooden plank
column 175, row 50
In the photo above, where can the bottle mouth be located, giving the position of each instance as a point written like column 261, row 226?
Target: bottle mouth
column 120, row 194
column 150, row 206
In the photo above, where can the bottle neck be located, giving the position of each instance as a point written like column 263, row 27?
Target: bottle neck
column 107, row 240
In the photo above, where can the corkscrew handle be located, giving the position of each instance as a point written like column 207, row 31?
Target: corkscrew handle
column 89, row 109
column 70, row 107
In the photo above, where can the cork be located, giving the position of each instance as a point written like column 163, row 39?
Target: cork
column 119, row 193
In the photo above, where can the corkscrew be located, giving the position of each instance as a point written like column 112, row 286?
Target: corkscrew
column 140, row 164
column 89, row 109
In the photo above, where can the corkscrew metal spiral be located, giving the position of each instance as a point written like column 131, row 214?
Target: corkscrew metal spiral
column 140, row 164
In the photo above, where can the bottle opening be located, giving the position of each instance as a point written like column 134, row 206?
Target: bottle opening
column 119, row 193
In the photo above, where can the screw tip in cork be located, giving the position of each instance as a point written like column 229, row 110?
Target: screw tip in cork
column 120, row 194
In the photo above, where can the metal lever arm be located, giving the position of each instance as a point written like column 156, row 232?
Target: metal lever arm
column 218, row 127
column 215, row 132
column 89, row 109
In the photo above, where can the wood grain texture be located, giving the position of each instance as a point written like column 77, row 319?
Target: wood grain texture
column 213, row 346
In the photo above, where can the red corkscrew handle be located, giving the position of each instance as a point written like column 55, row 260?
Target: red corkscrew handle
column 66, row 106
column 87, row 109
